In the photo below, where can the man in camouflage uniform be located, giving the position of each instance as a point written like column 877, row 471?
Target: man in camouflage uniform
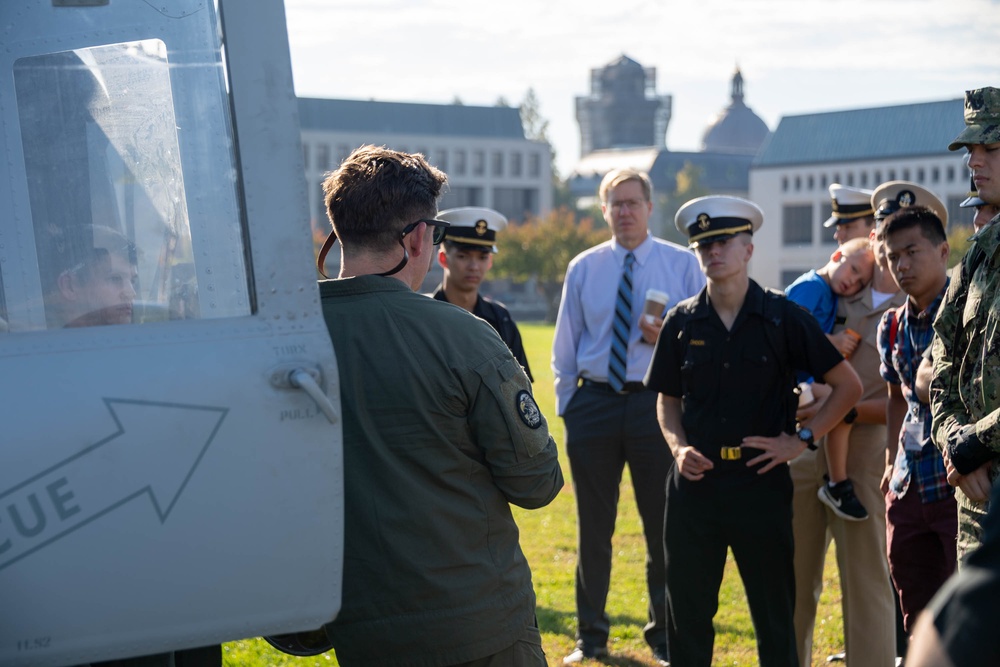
column 965, row 391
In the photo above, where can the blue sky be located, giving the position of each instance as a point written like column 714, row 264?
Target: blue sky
column 797, row 56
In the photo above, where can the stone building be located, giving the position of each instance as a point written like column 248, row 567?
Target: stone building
column 483, row 150
column 622, row 109
column 623, row 123
column 737, row 130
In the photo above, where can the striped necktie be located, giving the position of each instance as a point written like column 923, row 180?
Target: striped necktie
column 618, row 361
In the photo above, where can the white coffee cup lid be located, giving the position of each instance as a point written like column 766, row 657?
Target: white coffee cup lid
column 657, row 295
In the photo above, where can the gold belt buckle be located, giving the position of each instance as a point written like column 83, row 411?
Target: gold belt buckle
column 731, row 453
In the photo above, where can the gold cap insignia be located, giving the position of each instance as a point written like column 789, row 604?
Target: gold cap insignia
column 704, row 222
column 481, row 227
column 906, row 198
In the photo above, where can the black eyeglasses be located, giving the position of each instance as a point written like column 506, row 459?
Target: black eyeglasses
column 440, row 227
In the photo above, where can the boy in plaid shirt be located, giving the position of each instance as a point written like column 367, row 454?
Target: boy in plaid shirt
column 921, row 513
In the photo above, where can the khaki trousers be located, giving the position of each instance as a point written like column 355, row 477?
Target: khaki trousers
column 867, row 598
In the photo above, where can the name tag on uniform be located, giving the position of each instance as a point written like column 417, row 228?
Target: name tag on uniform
column 913, row 436
column 695, row 341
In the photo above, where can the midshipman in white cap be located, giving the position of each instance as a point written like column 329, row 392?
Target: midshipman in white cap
column 895, row 195
column 717, row 218
column 466, row 255
column 851, row 214
column 724, row 367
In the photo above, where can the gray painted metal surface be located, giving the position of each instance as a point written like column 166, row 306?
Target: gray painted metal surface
column 163, row 482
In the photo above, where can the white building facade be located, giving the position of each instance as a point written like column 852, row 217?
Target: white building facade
column 862, row 148
column 483, row 150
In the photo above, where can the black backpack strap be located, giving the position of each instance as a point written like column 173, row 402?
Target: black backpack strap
column 685, row 333
column 774, row 310
column 774, row 328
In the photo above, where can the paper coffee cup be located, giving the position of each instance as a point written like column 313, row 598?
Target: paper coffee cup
column 656, row 303
column 805, row 394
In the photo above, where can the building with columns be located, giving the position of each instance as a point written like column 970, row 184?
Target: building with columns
column 483, row 150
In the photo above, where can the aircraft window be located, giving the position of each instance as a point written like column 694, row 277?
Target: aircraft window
column 132, row 187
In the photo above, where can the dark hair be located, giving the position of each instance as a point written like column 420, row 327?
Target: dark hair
column 376, row 192
column 915, row 216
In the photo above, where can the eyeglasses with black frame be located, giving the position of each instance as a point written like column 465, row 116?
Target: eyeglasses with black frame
column 440, row 228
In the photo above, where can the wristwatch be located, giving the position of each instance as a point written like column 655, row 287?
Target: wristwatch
column 805, row 434
column 851, row 416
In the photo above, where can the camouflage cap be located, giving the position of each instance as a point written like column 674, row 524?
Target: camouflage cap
column 982, row 119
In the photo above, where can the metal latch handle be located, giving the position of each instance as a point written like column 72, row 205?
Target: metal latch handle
column 306, row 379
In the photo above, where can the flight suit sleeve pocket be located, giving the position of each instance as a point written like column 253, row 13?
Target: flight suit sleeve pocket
column 512, row 400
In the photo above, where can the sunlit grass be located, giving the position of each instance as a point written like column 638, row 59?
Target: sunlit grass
column 548, row 537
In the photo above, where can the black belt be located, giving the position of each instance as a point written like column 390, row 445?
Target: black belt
column 629, row 388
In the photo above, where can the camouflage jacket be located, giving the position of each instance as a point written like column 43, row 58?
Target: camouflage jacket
column 966, row 385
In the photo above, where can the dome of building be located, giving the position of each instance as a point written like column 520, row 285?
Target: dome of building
column 737, row 129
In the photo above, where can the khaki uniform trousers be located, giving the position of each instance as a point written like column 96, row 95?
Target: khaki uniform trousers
column 868, row 606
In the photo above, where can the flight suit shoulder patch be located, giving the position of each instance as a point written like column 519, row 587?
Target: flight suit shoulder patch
column 528, row 410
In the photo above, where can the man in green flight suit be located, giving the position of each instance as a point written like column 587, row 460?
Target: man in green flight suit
column 441, row 436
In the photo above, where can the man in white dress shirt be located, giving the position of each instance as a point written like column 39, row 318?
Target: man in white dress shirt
column 602, row 347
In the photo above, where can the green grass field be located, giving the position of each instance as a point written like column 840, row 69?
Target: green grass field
column 548, row 537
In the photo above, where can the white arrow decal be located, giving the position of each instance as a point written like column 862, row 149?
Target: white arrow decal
column 153, row 452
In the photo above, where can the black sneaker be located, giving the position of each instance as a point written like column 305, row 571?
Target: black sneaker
column 841, row 499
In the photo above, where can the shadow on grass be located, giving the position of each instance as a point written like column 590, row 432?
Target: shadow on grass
column 563, row 623
column 556, row 622
column 623, row 661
